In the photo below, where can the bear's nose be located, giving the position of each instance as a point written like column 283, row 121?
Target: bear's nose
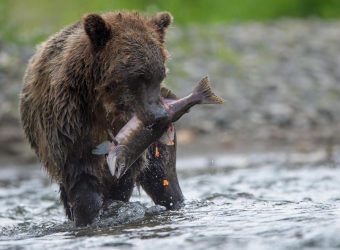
column 156, row 112
column 160, row 114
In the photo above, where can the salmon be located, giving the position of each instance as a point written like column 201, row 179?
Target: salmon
column 136, row 136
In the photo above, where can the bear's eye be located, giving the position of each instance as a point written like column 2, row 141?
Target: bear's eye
column 142, row 79
column 109, row 87
column 139, row 80
column 136, row 83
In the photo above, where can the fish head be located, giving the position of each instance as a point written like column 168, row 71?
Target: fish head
column 117, row 161
column 122, row 166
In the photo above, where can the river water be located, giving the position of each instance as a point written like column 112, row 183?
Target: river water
column 268, row 205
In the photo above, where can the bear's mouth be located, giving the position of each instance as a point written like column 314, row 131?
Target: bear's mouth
column 150, row 111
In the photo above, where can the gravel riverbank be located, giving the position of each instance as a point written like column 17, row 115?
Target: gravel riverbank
column 280, row 81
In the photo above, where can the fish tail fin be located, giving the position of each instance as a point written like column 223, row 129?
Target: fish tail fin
column 206, row 94
column 102, row 148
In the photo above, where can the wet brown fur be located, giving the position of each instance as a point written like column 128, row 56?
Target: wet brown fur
column 75, row 91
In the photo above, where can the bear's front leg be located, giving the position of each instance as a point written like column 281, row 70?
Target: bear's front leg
column 119, row 189
column 159, row 179
column 84, row 198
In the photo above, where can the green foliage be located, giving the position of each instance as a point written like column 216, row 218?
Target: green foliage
column 32, row 20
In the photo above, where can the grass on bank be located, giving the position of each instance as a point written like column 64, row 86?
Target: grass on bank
column 30, row 21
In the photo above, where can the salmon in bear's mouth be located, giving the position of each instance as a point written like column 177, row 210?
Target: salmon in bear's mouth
column 137, row 135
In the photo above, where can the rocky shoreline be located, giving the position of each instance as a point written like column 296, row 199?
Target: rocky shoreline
column 280, row 80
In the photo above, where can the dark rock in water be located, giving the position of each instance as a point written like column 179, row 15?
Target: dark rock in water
column 154, row 210
column 118, row 212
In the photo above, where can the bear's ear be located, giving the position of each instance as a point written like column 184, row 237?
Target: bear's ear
column 162, row 20
column 97, row 30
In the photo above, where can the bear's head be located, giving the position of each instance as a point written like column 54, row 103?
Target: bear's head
column 130, row 57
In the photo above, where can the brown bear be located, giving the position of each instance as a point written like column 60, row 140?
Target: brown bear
column 81, row 87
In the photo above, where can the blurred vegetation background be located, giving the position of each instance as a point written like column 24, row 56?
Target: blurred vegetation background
column 32, row 20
